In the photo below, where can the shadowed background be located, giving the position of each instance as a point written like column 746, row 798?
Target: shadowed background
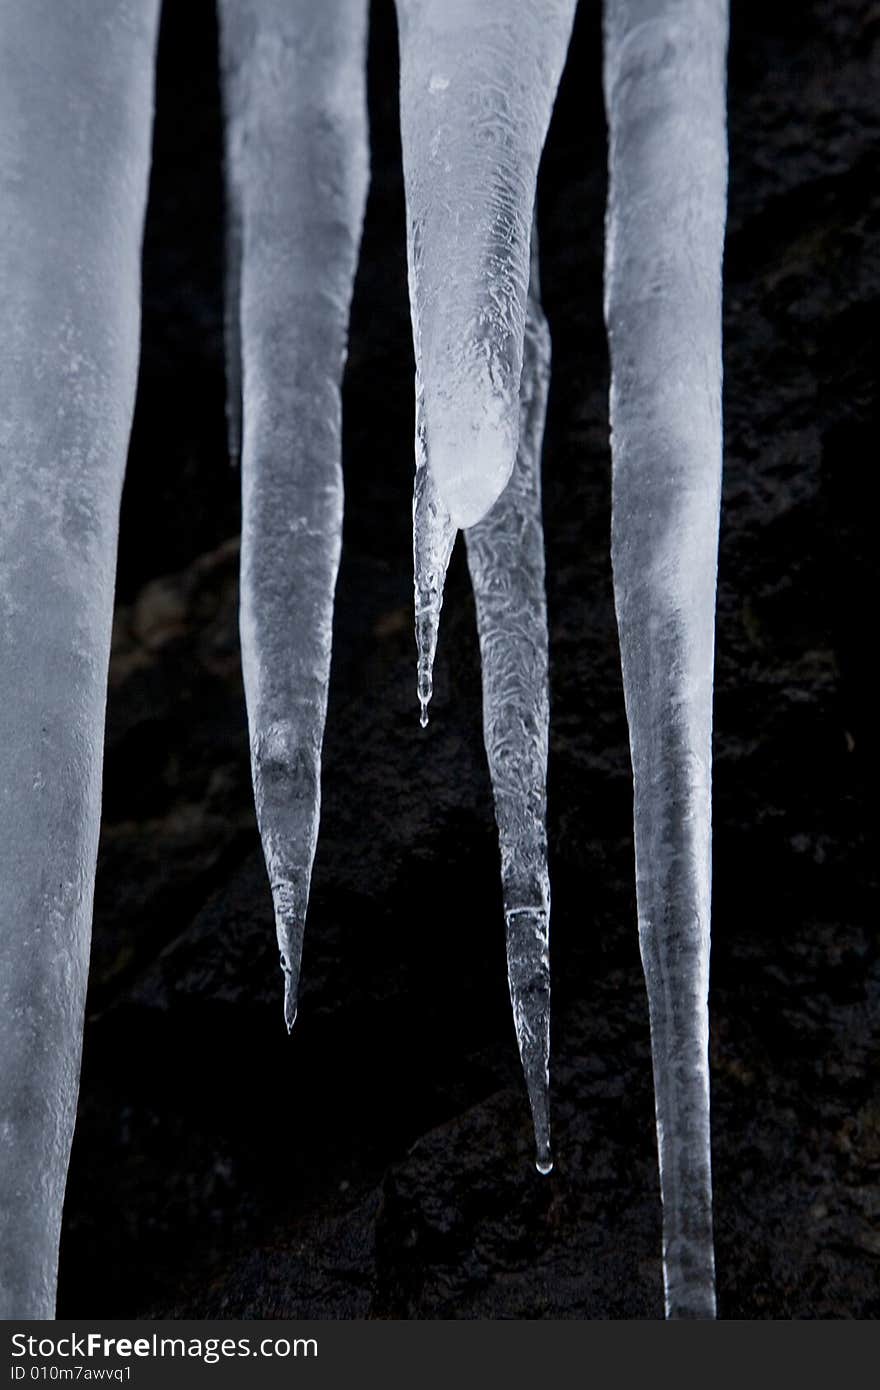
column 378, row 1162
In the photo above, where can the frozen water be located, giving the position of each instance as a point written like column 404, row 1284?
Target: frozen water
column 478, row 83
column 477, row 89
column 232, row 235
column 477, row 86
column 506, row 560
column 297, row 169
column 76, row 90
column 665, row 98
column 434, row 534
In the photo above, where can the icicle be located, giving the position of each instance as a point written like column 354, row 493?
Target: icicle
column 295, row 96
column 434, row 534
column 506, row 559
column 477, row 86
column 477, row 89
column 665, row 98
column 76, row 87
column 232, row 301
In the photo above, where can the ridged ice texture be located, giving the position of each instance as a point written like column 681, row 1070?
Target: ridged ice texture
column 665, row 99
column 506, row 560
column 477, row 86
column 297, row 154
column 434, row 534
column 76, row 92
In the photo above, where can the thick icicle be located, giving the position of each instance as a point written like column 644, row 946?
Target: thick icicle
column 477, row 85
column 506, row 559
column 665, row 98
column 76, row 90
column 298, row 162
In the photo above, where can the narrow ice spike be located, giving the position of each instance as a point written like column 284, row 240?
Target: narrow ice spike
column 76, row 94
column 665, row 99
column 290, row 997
column 506, row 558
column 298, row 164
column 477, row 86
column 434, row 535
column 232, row 250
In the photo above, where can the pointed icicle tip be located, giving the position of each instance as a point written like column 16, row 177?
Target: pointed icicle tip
column 290, row 1006
column 426, row 639
column 544, row 1161
column 528, row 973
column 427, row 625
column 434, row 535
column 290, row 995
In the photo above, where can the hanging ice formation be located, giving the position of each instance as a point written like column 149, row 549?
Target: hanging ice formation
column 76, row 92
column 665, row 83
column 478, row 83
column 477, row 86
column 506, row 559
column 298, row 166
column 665, row 98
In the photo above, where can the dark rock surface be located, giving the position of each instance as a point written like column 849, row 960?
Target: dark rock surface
column 378, row 1162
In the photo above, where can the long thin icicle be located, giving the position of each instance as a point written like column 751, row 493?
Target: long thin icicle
column 665, row 98
column 434, row 534
column 477, row 86
column 506, row 559
column 295, row 96
column 76, row 92
column 232, row 253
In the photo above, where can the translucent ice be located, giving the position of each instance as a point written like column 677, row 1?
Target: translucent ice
column 434, row 534
column 477, row 86
column 232, row 230
column 298, row 167
column 76, row 89
column 665, row 99
column 506, row 559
